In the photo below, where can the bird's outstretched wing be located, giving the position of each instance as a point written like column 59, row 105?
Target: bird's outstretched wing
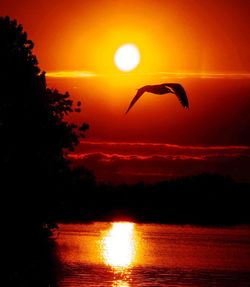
column 180, row 93
column 136, row 98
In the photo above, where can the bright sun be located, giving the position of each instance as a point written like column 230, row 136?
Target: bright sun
column 127, row 57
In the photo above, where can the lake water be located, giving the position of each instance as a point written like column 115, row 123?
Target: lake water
column 124, row 254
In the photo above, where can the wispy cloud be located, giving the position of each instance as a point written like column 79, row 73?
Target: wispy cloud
column 204, row 75
column 130, row 162
column 70, row 74
column 108, row 157
column 162, row 75
column 112, row 157
column 165, row 145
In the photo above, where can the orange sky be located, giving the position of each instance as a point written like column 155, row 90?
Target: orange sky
column 180, row 35
column 204, row 45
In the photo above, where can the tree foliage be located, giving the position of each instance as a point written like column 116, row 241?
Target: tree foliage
column 34, row 134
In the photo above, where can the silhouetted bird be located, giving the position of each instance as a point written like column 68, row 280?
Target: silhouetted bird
column 173, row 88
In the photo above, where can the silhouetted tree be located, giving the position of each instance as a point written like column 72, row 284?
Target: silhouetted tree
column 34, row 138
column 34, row 134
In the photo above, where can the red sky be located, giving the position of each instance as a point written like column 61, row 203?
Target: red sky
column 203, row 45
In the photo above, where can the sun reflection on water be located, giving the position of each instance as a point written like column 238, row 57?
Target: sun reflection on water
column 119, row 251
column 120, row 283
column 118, row 245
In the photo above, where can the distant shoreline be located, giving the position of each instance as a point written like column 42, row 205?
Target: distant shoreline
column 202, row 200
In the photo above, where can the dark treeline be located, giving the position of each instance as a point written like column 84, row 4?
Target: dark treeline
column 205, row 199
